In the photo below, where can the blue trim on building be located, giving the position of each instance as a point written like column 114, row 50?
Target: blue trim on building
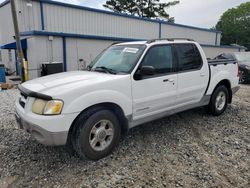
column 4, row 3
column 124, row 15
column 42, row 15
column 159, row 30
column 64, row 54
column 71, row 35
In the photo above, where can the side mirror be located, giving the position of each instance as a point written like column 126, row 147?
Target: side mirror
column 147, row 70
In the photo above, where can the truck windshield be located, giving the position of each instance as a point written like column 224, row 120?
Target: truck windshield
column 118, row 59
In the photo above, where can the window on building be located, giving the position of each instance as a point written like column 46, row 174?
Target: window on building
column 159, row 57
column 188, row 57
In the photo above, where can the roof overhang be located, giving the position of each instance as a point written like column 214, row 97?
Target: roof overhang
column 12, row 46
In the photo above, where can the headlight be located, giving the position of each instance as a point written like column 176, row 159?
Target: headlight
column 53, row 107
column 42, row 107
column 247, row 67
column 38, row 106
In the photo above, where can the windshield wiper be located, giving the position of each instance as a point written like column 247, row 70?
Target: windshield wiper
column 105, row 69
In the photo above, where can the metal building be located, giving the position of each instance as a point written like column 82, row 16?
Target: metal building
column 74, row 35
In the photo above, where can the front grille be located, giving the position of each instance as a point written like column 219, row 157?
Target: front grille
column 24, row 96
column 23, row 100
column 22, row 103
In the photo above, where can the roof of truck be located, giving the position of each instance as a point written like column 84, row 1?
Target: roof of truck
column 157, row 41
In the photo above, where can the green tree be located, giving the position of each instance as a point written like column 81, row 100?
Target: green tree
column 142, row 8
column 235, row 25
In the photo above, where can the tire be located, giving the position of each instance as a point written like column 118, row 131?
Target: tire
column 219, row 101
column 96, row 134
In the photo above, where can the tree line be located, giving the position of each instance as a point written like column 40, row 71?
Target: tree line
column 235, row 25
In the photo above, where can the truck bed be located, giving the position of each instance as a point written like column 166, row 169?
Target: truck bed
column 219, row 68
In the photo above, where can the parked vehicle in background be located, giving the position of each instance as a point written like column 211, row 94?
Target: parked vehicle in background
column 243, row 59
column 127, row 85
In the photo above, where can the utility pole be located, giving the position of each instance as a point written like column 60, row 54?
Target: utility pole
column 17, row 37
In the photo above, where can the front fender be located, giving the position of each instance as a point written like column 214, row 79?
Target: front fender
column 96, row 97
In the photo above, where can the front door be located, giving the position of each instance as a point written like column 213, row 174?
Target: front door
column 155, row 93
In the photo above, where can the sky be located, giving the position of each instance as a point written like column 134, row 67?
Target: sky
column 199, row 13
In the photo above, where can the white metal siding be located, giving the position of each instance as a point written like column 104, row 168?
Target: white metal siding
column 6, row 25
column 218, row 38
column 8, row 62
column 77, row 21
column 29, row 18
column 6, row 36
column 83, row 49
column 42, row 50
column 203, row 37
column 70, row 20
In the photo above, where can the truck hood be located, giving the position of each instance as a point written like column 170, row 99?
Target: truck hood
column 51, row 85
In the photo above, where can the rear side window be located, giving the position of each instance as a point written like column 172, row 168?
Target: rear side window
column 159, row 57
column 188, row 57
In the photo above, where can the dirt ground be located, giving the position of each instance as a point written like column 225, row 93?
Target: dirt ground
column 190, row 149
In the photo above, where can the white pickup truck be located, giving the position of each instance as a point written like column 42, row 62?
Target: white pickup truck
column 128, row 84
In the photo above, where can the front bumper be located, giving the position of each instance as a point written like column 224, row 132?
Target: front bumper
column 41, row 135
column 47, row 130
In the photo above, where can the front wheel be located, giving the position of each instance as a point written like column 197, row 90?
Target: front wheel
column 219, row 101
column 96, row 135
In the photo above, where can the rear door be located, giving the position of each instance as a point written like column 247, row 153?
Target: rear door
column 156, row 93
column 193, row 74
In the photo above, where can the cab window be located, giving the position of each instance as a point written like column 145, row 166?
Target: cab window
column 159, row 57
column 188, row 57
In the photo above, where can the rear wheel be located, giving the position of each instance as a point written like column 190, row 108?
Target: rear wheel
column 219, row 101
column 96, row 134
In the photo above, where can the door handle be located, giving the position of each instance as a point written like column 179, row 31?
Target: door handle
column 202, row 74
column 168, row 80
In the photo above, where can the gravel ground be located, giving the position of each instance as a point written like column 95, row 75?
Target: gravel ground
column 190, row 149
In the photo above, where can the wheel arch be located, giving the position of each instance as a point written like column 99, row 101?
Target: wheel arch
column 227, row 84
column 115, row 108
